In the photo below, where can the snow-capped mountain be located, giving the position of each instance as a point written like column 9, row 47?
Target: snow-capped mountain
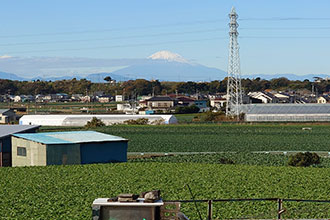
column 169, row 66
column 167, row 55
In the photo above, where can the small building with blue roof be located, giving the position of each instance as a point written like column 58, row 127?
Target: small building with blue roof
column 63, row 148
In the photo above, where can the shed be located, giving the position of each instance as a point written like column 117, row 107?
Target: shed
column 6, row 131
column 61, row 148
column 81, row 120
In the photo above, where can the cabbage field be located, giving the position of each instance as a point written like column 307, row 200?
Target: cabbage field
column 244, row 158
column 218, row 137
column 227, row 137
column 67, row 192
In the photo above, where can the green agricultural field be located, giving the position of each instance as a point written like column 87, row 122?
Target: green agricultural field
column 220, row 138
column 186, row 118
column 67, row 192
column 245, row 158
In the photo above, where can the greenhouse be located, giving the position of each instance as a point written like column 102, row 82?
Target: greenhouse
column 81, row 120
column 287, row 112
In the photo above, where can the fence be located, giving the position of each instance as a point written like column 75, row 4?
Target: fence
column 278, row 201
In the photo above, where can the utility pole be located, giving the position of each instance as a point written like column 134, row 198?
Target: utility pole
column 234, row 87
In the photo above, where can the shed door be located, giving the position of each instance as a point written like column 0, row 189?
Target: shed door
column 6, row 159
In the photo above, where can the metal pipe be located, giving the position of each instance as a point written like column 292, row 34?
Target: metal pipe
column 279, row 208
column 193, row 197
column 209, row 213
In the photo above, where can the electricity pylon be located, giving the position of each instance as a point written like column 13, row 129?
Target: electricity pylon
column 234, row 87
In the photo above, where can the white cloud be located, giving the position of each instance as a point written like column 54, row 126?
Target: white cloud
column 5, row 56
column 59, row 66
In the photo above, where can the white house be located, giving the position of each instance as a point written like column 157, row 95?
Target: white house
column 119, row 98
column 217, row 102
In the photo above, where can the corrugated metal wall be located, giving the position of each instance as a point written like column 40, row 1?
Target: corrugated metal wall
column 103, row 152
column 58, row 154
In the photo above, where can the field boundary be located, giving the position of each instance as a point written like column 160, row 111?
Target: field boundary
column 323, row 153
column 279, row 201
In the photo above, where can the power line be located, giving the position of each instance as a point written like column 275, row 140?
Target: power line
column 115, row 38
column 286, row 28
column 285, row 37
column 160, row 26
column 164, row 42
column 163, row 34
column 120, row 46
column 113, row 29
column 285, row 19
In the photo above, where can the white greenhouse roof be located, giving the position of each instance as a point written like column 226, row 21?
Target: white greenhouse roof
column 81, row 120
column 261, row 109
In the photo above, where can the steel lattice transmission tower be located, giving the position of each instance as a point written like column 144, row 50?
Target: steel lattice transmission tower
column 234, row 88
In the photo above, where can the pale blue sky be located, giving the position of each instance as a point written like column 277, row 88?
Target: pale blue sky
column 282, row 36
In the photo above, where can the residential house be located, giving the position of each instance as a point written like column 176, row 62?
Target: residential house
column 265, row 97
column 283, row 97
column 76, row 97
column 217, row 103
column 323, row 99
column 163, row 103
column 17, row 98
column 104, row 99
column 86, row 98
column 7, row 116
column 119, row 98
column 185, row 101
column 62, row 97
column 202, row 105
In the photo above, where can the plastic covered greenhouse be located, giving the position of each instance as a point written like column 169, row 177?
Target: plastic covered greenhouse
column 287, row 112
column 81, row 120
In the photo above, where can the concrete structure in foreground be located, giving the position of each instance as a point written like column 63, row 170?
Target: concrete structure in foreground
column 81, row 120
column 6, row 131
column 287, row 112
column 62, row 148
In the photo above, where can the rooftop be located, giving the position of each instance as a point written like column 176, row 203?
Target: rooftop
column 6, row 130
column 160, row 98
column 288, row 109
column 71, row 137
column 3, row 110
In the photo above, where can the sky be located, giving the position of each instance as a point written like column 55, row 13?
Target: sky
column 276, row 37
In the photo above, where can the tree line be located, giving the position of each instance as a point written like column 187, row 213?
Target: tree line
column 140, row 87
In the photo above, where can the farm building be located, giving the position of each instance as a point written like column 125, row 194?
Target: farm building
column 6, row 131
column 77, row 147
column 81, row 120
column 287, row 112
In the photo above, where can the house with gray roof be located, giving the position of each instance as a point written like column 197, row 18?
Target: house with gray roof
column 7, row 116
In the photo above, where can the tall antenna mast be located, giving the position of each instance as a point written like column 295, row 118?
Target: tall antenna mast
column 234, row 88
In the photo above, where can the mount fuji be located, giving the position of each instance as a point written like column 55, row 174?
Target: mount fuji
column 168, row 66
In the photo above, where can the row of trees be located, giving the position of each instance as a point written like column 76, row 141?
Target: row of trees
column 145, row 87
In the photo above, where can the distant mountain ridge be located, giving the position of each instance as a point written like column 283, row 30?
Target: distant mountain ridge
column 163, row 66
column 132, row 73
column 11, row 76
